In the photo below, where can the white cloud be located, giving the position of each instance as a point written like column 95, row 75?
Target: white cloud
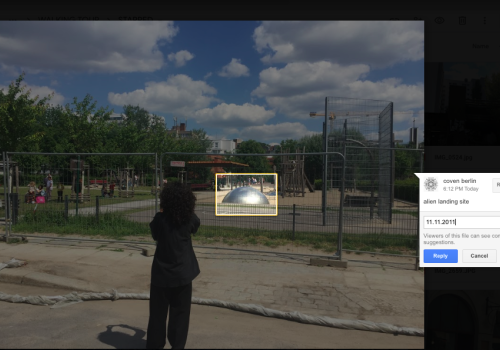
column 41, row 92
column 54, row 83
column 232, row 115
column 376, row 43
column 179, row 94
column 300, row 77
column 208, row 75
column 96, row 46
column 221, row 136
column 234, row 69
column 275, row 132
column 9, row 70
column 407, row 117
column 180, row 57
column 301, row 87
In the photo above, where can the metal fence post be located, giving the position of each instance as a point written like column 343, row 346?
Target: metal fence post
column 66, row 206
column 97, row 208
column 293, row 225
column 161, row 169
column 325, row 162
column 77, row 184
column 15, row 207
column 8, row 216
column 417, row 259
column 5, row 198
column 341, row 209
column 156, row 182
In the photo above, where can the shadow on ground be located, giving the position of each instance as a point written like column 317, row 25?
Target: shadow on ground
column 121, row 338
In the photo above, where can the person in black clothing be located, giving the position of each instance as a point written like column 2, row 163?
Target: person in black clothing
column 174, row 267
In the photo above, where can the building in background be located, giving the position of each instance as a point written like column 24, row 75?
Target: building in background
column 221, row 146
column 116, row 118
column 237, row 142
column 413, row 135
column 180, row 131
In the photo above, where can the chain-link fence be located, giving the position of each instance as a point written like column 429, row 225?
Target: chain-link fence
column 85, row 194
column 296, row 224
column 366, row 124
column 362, row 212
column 3, row 192
column 124, row 211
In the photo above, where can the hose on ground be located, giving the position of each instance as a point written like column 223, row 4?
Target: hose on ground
column 74, row 298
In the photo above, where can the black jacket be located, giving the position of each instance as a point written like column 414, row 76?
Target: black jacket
column 174, row 263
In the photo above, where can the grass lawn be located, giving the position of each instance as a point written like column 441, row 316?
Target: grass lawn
column 53, row 205
column 117, row 226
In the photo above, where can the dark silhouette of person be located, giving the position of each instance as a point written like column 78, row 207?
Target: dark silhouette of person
column 174, row 267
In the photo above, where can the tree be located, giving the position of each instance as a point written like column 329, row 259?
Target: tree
column 202, row 140
column 87, row 126
column 403, row 163
column 312, row 164
column 137, row 117
column 288, row 145
column 88, row 130
column 18, row 116
column 256, row 164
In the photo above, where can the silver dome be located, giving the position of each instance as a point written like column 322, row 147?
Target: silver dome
column 245, row 195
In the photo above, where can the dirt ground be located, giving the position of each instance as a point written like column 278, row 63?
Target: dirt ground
column 122, row 324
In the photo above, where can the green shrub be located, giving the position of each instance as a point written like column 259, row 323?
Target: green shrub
column 407, row 190
column 318, row 184
column 366, row 185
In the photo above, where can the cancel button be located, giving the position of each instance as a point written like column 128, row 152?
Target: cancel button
column 479, row 256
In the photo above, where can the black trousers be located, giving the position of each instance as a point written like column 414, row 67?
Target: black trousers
column 178, row 300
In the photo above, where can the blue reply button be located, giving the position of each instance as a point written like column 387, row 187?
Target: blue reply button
column 440, row 256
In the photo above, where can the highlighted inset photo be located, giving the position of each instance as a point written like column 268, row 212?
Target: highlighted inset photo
column 246, row 194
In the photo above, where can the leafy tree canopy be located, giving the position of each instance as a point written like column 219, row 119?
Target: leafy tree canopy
column 257, row 164
column 19, row 112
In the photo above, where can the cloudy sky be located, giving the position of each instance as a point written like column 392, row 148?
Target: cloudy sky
column 249, row 80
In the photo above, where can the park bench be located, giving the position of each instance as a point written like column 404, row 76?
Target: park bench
column 200, row 186
column 359, row 201
column 83, row 198
column 98, row 182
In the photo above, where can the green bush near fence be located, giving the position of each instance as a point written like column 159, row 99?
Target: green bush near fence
column 366, row 185
column 318, row 185
column 407, row 190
